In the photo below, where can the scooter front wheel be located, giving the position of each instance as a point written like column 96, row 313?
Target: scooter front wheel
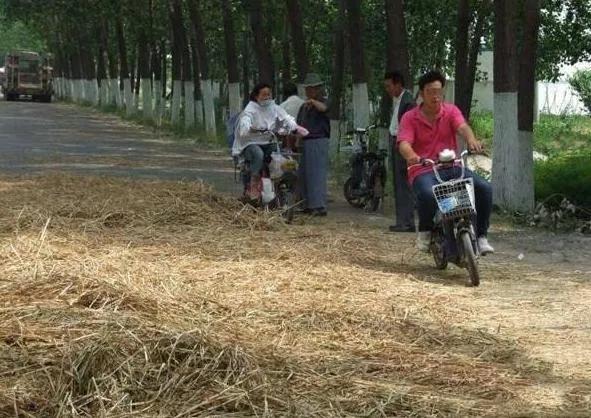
column 437, row 248
column 470, row 258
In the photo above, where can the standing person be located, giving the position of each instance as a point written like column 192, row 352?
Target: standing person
column 424, row 132
column 252, row 137
column 402, row 102
column 292, row 102
column 313, row 172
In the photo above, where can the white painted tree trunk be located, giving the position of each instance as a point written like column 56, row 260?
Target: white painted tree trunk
column 189, row 105
column 129, row 107
column 177, row 95
column 157, row 112
column 94, row 88
column 360, row 105
column 115, row 99
column 77, row 91
column 146, row 85
column 234, row 98
column 86, row 88
column 71, row 89
column 199, row 112
column 208, row 106
column 104, row 92
column 512, row 169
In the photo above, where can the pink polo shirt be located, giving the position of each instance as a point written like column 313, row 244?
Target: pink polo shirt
column 429, row 139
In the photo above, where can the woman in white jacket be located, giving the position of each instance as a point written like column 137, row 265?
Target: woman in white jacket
column 252, row 137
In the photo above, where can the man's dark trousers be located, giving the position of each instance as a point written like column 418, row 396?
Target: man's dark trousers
column 403, row 196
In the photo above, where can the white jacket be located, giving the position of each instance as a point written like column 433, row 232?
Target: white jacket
column 255, row 116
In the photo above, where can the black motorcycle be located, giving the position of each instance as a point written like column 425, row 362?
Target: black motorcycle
column 365, row 186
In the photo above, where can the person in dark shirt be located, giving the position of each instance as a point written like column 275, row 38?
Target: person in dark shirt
column 313, row 173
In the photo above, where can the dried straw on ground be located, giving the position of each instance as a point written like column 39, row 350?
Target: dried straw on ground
column 152, row 299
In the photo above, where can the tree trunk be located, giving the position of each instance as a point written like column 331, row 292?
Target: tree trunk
column 397, row 58
column 461, row 64
column 397, row 55
column 145, row 75
column 188, row 82
column 114, row 92
column 206, row 82
column 163, row 52
column 89, row 68
column 507, row 165
column 261, row 43
column 124, row 69
column 157, row 86
column 298, row 40
column 245, row 69
column 102, row 66
column 177, row 62
column 285, row 55
column 467, row 51
column 197, row 96
column 76, row 82
column 483, row 14
column 231, row 59
column 358, row 68
column 525, row 102
column 338, row 69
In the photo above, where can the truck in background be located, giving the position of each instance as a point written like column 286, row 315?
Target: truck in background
column 27, row 74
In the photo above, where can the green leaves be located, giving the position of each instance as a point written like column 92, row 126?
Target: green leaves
column 581, row 82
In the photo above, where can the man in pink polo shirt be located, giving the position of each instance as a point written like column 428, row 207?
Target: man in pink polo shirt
column 424, row 132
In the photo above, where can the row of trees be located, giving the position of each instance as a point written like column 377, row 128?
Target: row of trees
column 167, row 54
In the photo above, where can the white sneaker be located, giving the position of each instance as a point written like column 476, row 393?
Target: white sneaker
column 485, row 247
column 423, row 241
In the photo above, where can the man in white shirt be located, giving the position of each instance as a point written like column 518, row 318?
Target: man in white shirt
column 402, row 101
column 293, row 102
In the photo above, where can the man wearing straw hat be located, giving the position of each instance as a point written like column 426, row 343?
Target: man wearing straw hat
column 313, row 172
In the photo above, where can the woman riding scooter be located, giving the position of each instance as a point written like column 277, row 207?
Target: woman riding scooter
column 258, row 118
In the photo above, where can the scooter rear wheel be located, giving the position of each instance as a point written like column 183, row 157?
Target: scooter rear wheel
column 286, row 203
column 470, row 258
column 355, row 201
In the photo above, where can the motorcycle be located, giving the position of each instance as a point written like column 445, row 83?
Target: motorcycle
column 453, row 238
column 278, row 179
column 365, row 186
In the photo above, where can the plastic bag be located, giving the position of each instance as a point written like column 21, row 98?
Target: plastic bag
column 276, row 164
column 268, row 194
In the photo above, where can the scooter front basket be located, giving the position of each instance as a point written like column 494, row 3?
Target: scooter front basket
column 455, row 198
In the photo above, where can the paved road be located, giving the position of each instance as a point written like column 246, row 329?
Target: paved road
column 39, row 137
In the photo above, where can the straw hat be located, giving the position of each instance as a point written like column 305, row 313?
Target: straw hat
column 312, row 80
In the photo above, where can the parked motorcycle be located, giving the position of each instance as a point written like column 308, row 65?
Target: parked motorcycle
column 365, row 186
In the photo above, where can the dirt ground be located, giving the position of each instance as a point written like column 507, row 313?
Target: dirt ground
column 334, row 316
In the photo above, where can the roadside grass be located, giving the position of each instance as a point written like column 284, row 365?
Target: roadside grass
column 565, row 141
column 553, row 134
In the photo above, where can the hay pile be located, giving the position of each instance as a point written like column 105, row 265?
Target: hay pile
column 165, row 299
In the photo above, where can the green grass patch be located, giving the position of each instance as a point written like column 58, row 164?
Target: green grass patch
column 567, row 174
column 553, row 134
